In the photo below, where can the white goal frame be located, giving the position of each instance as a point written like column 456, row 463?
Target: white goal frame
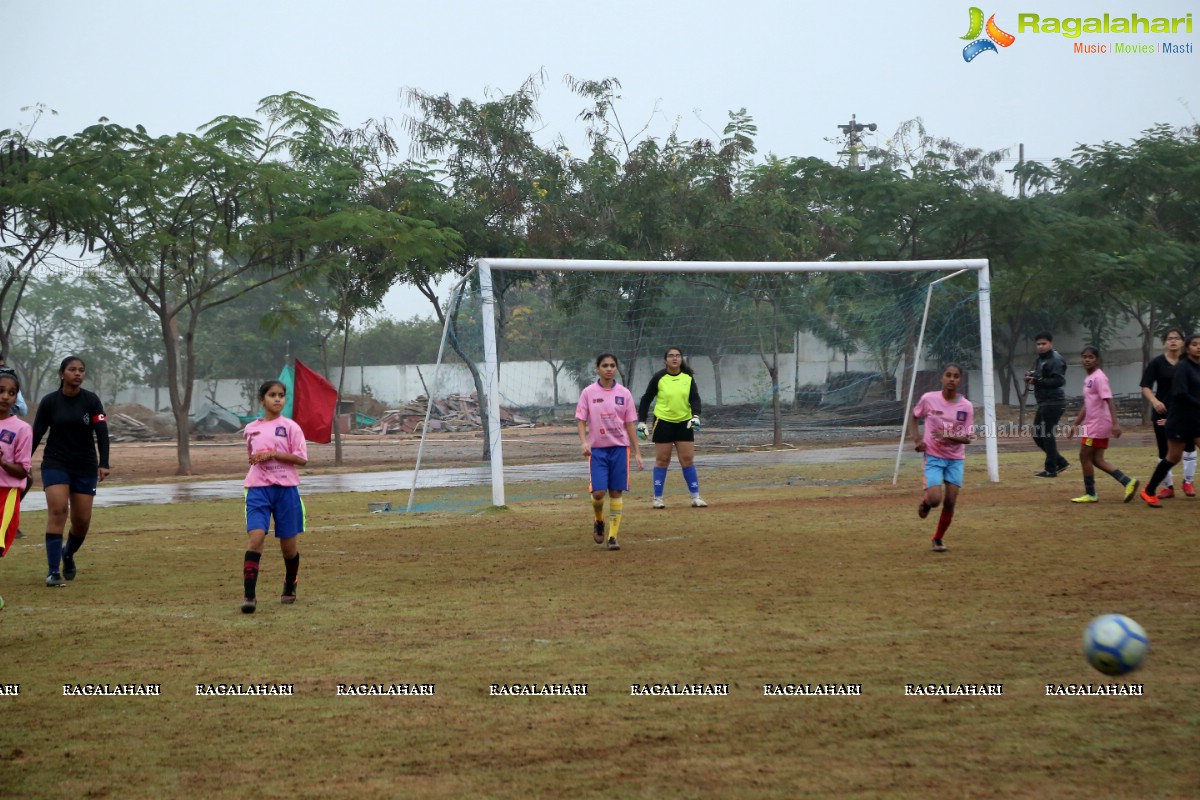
column 491, row 366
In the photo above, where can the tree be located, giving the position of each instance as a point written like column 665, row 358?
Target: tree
column 487, row 157
column 1128, row 227
column 193, row 221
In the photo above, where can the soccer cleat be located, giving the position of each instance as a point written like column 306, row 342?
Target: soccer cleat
column 1045, row 474
column 55, row 579
column 1088, row 498
column 1, row 603
column 657, row 503
column 1166, row 492
column 1150, row 500
column 68, row 570
column 923, row 510
column 612, row 543
column 289, row 595
column 698, row 502
column 249, row 604
column 1189, row 489
column 1131, row 490
column 598, row 531
column 938, row 547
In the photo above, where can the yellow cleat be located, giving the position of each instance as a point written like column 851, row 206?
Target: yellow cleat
column 1085, row 498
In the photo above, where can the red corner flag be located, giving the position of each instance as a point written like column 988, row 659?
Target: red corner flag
column 313, row 404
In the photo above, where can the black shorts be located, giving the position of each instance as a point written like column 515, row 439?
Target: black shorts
column 1182, row 426
column 667, row 432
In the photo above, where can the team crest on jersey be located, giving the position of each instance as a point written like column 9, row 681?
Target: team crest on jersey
column 281, row 432
column 7, row 437
column 961, row 416
column 619, row 400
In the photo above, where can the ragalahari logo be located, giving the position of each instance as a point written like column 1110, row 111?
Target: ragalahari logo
column 995, row 36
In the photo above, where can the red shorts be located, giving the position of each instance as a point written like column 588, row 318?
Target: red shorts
column 1099, row 444
column 10, row 514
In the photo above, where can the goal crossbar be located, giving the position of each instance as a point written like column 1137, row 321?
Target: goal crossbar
column 491, row 370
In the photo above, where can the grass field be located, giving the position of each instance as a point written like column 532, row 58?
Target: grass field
column 791, row 576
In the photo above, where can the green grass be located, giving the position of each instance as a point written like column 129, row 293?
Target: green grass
column 791, row 576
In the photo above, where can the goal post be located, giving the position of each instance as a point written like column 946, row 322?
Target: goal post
column 490, row 368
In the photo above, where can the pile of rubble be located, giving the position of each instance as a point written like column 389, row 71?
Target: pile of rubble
column 458, row 412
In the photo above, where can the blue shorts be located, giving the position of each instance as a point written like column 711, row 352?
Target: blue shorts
column 282, row 502
column 610, row 469
column 80, row 482
column 943, row 470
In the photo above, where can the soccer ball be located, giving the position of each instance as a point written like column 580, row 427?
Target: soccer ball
column 1115, row 644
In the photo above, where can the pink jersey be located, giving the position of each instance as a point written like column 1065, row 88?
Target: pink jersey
column 279, row 434
column 955, row 417
column 606, row 411
column 16, row 446
column 1097, row 419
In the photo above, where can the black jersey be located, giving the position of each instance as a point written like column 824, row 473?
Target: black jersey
column 78, row 428
column 1185, row 387
column 1158, row 376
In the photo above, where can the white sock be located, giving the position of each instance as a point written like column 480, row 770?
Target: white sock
column 1168, row 481
column 1189, row 466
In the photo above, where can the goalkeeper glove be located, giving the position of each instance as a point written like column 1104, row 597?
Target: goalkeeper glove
column 641, row 430
column 694, row 424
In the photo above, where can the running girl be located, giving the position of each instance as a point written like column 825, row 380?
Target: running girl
column 676, row 420
column 1096, row 424
column 1157, row 377
column 606, row 415
column 1183, row 416
column 71, row 470
column 276, row 447
column 16, row 454
column 949, row 419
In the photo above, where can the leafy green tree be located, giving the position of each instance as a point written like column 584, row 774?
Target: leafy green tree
column 193, row 221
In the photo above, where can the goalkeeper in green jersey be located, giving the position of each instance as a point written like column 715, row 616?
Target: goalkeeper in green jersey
column 676, row 401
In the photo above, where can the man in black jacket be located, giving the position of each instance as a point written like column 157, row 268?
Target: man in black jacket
column 1048, row 376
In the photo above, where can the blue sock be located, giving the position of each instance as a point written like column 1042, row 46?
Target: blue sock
column 693, row 482
column 54, row 546
column 660, row 478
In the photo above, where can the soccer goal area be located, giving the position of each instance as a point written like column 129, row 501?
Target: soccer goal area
column 783, row 353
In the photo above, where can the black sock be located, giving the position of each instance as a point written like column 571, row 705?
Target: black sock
column 73, row 544
column 1120, row 477
column 291, row 568
column 250, row 572
column 1160, row 472
column 1089, row 485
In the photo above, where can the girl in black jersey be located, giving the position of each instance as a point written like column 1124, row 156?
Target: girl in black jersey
column 1157, row 377
column 70, row 466
column 1183, row 416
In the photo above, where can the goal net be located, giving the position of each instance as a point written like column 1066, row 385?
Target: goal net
column 784, row 353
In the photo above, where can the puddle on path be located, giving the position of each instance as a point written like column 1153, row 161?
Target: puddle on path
column 402, row 480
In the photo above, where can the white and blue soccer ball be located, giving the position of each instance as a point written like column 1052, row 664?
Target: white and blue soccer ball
column 1115, row 644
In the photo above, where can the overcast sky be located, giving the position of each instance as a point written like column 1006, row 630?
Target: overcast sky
column 800, row 69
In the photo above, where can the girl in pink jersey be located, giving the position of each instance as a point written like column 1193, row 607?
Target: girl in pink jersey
column 16, row 455
column 1096, row 424
column 276, row 447
column 949, row 421
column 606, row 416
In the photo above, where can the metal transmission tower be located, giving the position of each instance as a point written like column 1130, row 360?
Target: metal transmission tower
column 852, row 131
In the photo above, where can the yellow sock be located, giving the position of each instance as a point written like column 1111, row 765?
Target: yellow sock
column 598, row 507
column 615, row 506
